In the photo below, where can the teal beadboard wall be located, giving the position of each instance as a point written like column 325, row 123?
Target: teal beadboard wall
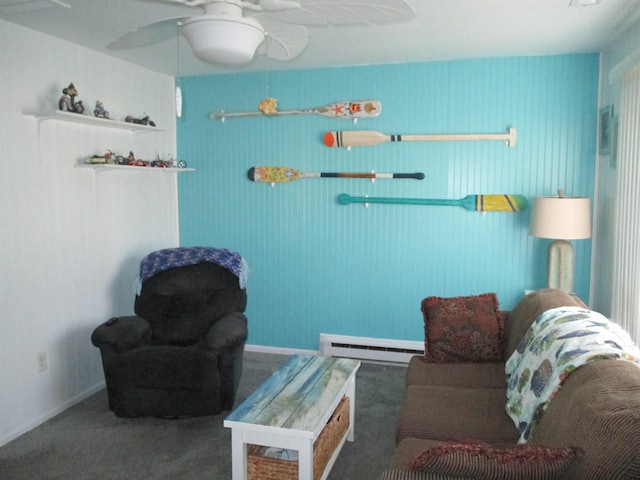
column 318, row 266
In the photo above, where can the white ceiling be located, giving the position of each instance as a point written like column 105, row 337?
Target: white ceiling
column 441, row 30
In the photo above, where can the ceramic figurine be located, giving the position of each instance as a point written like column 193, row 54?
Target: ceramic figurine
column 140, row 121
column 99, row 110
column 133, row 161
column 68, row 102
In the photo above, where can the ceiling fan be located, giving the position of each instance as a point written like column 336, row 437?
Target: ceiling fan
column 230, row 32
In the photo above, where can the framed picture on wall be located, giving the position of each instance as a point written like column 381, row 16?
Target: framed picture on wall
column 605, row 130
column 613, row 161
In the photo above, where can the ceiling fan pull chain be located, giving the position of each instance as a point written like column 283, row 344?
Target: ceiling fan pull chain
column 267, row 72
column 177, row 81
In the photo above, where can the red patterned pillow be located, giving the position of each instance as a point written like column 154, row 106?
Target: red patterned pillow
column 495, row 462
column 463, row 329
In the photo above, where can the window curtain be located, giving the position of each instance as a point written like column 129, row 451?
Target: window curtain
column 625, row 309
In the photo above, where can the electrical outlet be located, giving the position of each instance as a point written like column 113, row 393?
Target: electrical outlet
column 43, row 364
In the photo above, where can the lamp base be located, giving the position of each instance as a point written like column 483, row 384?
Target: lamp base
column 560, row 265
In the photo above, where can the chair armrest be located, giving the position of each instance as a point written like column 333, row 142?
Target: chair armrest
column 122, row 333
column 228, row 332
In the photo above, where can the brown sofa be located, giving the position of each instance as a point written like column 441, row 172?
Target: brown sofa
column 596, row 413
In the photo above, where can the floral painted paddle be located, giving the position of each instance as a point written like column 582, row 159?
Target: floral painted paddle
column 286, row 174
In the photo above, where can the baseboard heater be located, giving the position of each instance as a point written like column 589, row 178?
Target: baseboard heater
column 369, row 349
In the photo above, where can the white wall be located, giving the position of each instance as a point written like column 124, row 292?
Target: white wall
column 619, row 52
column 70, row 238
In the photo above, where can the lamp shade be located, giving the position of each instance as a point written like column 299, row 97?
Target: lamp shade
column 222, row 39
column 566, row 218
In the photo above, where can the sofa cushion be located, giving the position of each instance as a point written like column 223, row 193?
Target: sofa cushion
column 528, row 309
column 463, row 329
column 471, row 375
column 169, row 367
column 482, row 461
column 455, row 413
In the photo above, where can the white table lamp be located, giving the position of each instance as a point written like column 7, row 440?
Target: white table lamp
column 561, row 218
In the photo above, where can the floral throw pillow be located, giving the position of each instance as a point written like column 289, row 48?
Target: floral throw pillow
column 496, row 462
column 463, row 329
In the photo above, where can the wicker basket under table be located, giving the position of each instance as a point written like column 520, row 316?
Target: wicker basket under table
column 260, row 467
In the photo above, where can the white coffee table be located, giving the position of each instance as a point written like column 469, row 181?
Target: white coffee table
column 290, row 409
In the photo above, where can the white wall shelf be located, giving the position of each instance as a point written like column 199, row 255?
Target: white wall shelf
column 93, row 121
column 106, row 167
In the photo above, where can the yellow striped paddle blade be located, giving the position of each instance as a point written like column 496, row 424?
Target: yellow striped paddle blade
column 501, row 203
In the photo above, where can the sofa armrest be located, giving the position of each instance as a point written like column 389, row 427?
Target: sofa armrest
column 122, row 333
column 406, row 474
column 228, row 333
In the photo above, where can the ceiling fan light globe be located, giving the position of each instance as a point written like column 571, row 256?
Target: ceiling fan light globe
column 223, row 40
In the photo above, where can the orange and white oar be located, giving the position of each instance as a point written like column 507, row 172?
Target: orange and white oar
column 359, row 138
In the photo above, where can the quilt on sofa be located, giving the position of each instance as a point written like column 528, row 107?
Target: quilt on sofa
column 559, row 341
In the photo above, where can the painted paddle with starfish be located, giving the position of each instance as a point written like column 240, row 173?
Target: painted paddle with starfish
column 348, row 110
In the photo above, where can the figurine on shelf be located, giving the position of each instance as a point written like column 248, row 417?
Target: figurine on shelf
column 158, row 163
column 95, row 160
column 99, row 111
column 140, row 121
column 131, row 160
column 67, row 102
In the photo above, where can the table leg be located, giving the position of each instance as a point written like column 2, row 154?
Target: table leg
column 305, row 460
column 351, row 393
column 238, row 455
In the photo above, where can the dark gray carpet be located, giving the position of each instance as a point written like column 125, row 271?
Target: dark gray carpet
column 88, row 442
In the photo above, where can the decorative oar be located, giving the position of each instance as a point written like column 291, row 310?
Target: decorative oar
column 477, row 203
column 349, row 109
column 286, row 174
column 358, row 138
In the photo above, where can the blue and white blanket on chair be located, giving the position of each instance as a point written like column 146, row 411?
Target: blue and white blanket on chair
column 161, row 260
column 559, row 341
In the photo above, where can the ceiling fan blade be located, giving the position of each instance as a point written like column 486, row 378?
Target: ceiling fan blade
column 346, row 12
column 188, row 3
column 277, row 5
column 147, row 35
column 284, row 42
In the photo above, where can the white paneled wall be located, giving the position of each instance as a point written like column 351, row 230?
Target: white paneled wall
column 626, row 284
column 616, row 58
column 70, row 238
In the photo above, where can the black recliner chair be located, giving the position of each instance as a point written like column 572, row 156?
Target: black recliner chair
column 181, row 354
